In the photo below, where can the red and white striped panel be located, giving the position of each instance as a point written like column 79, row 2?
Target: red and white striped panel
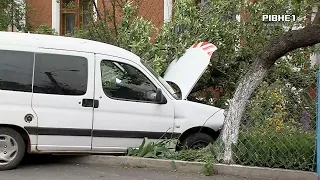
column 206, row 46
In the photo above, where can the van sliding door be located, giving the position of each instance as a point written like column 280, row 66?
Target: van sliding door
column 63, row 88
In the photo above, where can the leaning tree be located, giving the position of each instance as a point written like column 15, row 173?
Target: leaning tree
column 275, row 48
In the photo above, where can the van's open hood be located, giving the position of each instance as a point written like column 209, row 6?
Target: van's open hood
column 187, row 70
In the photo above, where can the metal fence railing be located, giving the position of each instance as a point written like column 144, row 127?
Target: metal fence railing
column 278, row 128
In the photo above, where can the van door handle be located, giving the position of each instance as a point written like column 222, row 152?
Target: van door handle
column 90, row 103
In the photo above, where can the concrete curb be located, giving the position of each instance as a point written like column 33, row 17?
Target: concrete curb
column 191, row 167
column 267, row 173
column 136, row 162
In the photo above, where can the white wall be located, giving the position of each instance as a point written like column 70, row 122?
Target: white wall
column 167, row 10
column 56, row 16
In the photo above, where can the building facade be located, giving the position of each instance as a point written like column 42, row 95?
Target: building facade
column 54, row 13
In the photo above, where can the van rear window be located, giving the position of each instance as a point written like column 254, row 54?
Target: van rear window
column 16, row 69
column 60, row 74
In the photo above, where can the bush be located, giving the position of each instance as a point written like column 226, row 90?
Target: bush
column 265, row 147
column 150, row 149
column 202, row 155
column 206, row 155
column 45, row 29
column 262, row 146
column 160, row 150
column 275, row 102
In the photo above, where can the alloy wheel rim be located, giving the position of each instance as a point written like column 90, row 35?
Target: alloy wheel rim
column 8, row 149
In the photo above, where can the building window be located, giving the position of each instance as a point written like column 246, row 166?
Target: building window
column 69, row 22
column 60, row 74
column 74, row 15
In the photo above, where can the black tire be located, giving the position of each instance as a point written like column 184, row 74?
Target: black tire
column 197, row 141
column 21, row 148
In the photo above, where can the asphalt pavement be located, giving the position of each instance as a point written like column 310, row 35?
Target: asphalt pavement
column 48, row 169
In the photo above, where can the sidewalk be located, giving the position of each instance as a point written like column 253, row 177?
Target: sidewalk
column 57, row 171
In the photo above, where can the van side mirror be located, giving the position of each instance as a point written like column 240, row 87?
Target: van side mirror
column 160, row 99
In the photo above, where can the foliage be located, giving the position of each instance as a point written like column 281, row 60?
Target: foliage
column 190, row 25
column 215, row 22
column 287, row 148
column 128, row 31
column 160, row 149
column 281, row 105
column 262, row 146
column 68, row 6
column 206, row 155
column 200, row 155
column 278, row 128
column 135, row 36
column 4, row 16
column 12, row 12
column 45, row 29
column 151, row 149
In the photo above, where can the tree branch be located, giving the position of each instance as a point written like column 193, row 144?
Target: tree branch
column 105, row 12
column 281, row 45
column 121, row 3
column 113, row 3
column 95, row 29
column 291, row 40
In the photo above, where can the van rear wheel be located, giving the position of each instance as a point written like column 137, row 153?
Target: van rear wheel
column 12, row 149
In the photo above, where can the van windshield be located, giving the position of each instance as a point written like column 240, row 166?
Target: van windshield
column 171, row 90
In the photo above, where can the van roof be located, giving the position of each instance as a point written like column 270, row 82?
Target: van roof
column 64, row 43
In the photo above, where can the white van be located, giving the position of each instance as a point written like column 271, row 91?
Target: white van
column 68, row 95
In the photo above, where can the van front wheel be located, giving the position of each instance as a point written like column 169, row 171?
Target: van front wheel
column 197, row 141
column 12, row 149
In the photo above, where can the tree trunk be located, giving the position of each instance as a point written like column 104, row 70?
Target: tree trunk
column 277, row 47
column 236, row 108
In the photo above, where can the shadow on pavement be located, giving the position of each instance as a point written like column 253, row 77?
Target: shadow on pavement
column 43, row 159
column 36, row 159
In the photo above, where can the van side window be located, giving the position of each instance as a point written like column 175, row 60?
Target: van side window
column 60, row 74
column 123, row 81
column 16, row 70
